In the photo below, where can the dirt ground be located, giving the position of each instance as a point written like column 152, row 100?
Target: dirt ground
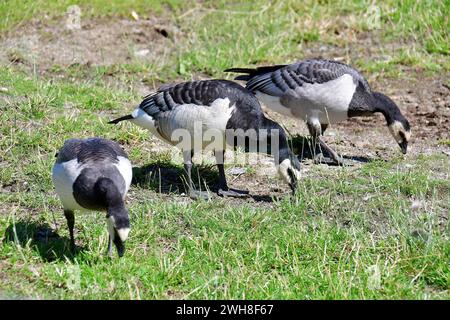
column 424, row 100
column 98, row 42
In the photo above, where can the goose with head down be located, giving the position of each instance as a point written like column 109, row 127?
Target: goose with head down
column 94, row 174
column 217, row 106
column 322, row 92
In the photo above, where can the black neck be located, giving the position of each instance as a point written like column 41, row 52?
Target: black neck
column 114, row 202
column 386, row 106
column 108, row 191
column 277, row 143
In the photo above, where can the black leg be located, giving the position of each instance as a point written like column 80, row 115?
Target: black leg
column 316, row 130
column 110, row 241
column 187, row 155
column 337, row 159
column 110, row 227
column 70, row 217
column 224, row 191
column 194, row 194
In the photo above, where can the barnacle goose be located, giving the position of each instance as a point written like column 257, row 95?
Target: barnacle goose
column 322, row 92
column 220, row 106
column 94, row 174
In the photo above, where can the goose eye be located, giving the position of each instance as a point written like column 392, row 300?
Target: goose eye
column 402, row 135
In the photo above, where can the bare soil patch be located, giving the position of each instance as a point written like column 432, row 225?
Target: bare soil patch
column 97, row 42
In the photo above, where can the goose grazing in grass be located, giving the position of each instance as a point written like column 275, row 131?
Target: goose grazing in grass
column 94, row 174
column 219, row 108
column 322, row 92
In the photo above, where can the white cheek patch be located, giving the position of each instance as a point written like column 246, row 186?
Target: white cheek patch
column 283, row 170
column 408, row 135
column 123, row 233
column 395, row 128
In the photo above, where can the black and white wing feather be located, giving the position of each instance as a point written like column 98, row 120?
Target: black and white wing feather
column 200, row 93
column 276, row 80
column 92, row 149
column 211, row 103
column 69, row 151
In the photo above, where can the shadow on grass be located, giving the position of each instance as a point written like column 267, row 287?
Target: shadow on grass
column 168, row 178
column 42, row 238
column 165, row 177
column 301, row 146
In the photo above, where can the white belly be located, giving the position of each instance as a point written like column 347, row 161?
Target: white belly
column 193, row 117
column 126, row 171
column 273, row 103
column 324, row 102
column 63, row 176
column 189, row 122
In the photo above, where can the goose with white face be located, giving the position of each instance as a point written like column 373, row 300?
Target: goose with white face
column 118, row 234
column 289, row 170
column 94, row 174
column 323, row 92
column 210, row 113
column 401, row 134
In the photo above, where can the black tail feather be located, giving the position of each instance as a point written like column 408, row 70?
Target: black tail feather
column 241, row 70
column 250, row 73
column 127, row 117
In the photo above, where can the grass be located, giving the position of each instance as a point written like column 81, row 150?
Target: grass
column 265, row 34
column 375, row 231
column 14, row 13
column 413, row 34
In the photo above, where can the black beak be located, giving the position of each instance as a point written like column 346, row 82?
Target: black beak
column 404, row 146
column 116, row 121
column 293, row 188
column 120, row 246
column 293, row 180
column 293, row 185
